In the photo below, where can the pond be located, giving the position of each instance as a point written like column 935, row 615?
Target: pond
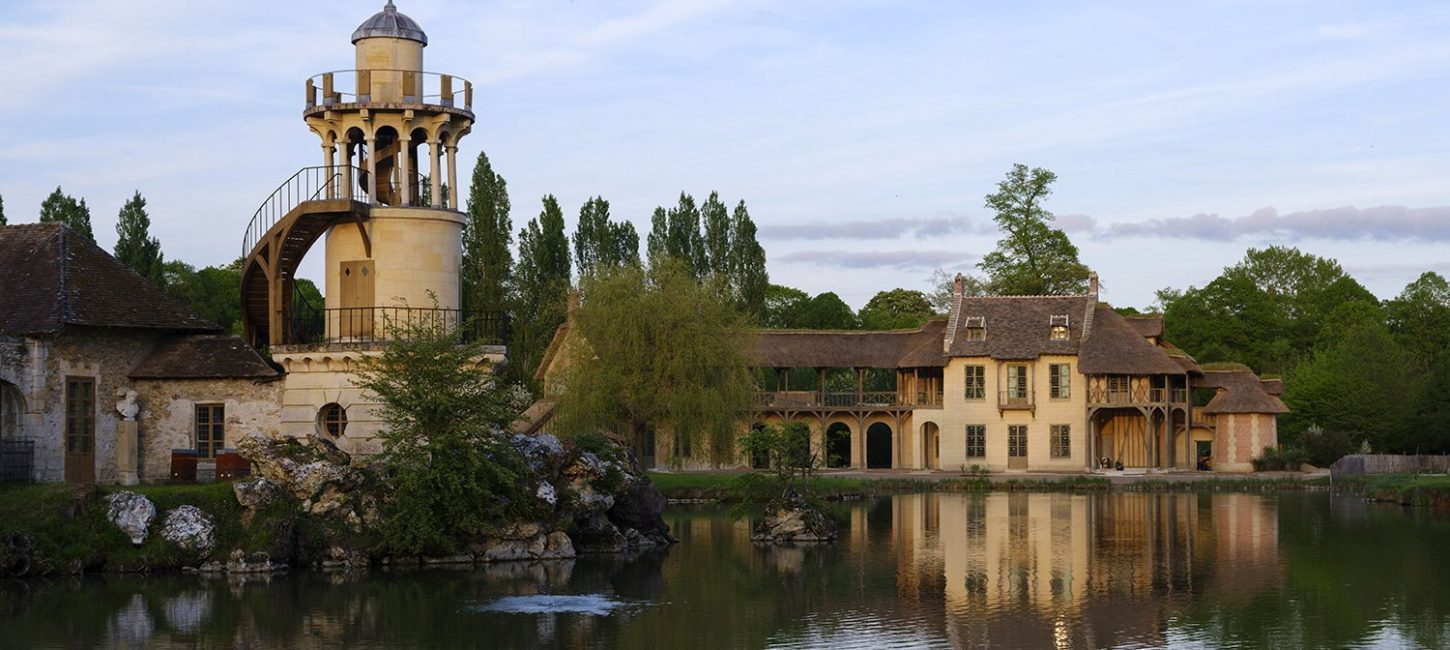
column 1002, row 570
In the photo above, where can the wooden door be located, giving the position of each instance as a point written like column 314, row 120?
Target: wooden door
column 1017, row 447
column 358, row 312
column 80, row 430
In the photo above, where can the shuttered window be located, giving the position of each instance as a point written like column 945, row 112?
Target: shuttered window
column 976, row 441
column 976, row 382
column 1017, row 440
column 1060, row 380
column 1061, row 442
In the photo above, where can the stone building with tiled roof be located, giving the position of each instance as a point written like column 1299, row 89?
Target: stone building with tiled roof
column 78, row 330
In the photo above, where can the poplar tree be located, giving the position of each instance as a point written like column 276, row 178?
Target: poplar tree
column 2, row 210
column 62, row 208
column 542, row 287
column 719, row 236
column 748, row 277
column 601, row 244
column 675, row 234
column 487, row 262
column 135, row 246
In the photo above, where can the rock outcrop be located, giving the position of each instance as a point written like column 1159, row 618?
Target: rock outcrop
column 791, row 519
column 313, row 471
column 190, row 528
column 132, row 513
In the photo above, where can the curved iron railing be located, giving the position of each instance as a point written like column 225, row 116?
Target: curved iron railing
column 308, row 184
column 372, row 87
column 311, row 324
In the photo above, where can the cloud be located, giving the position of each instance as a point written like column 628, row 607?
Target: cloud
column 1386, row 223
column 894, row 228
column 898, row 259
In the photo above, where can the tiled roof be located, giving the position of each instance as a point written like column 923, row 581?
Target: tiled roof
column 1018, row 327
column 54, row 278
column 204, row 356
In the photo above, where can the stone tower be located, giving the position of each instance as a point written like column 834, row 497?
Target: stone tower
column 384, row 198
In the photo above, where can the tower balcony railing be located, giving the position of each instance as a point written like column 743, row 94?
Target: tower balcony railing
column 372, row 325
column 308, row 184
column 388, row 87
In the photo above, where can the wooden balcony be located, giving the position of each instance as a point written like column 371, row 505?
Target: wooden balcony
column 1008, row 400
column 844, row 401
column 1137, row 397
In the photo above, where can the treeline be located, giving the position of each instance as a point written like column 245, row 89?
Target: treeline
column 1360, row 374
column 711, row 244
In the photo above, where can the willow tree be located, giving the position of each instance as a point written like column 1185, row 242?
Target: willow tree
column 659, row 352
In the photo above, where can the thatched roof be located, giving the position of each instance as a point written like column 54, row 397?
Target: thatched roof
column 54, row 278
column 1114, row 347
column 1241, row 391
column 1018, row 327
column 205, row 356
column 848, row 349
column 1148, row 325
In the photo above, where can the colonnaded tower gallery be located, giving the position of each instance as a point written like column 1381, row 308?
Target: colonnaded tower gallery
column 384, row 201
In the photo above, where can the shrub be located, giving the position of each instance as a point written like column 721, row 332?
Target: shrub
column 447, row 458
column 1275, row 459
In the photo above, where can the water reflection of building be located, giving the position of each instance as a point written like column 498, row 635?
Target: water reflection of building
column 1073, row 570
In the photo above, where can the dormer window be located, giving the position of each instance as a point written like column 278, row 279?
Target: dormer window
column 1058, row 328
column 976, row 328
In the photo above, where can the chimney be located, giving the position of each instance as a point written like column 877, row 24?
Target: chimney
column 959, row 285
column 1093, row 284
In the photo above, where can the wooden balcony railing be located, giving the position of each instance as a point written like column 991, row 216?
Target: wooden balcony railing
column 1133, row 397
column 800, row 399
column 1009, row 399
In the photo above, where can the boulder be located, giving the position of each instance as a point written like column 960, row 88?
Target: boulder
column 546, row 493
column 17, row 554
column 191, row 529
column 557, row 546
column 792, row 519
column 640, row 507
column 132, row 513
column 596, row 534
column 544, row 453
column 337, row 557
column 256, row 493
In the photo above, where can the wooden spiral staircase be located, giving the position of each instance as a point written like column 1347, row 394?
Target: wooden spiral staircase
column 281, row 232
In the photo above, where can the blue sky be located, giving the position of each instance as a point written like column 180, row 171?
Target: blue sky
column 863, row 134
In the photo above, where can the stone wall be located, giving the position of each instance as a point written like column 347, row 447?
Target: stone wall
column 168, row 412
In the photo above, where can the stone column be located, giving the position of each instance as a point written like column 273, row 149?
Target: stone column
column 453, row 177
column 346, row 151
column 371, row 144
column 329, row 167
column 405, row 171
column 434, row 179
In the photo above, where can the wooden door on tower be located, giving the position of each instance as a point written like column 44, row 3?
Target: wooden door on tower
column 357, row 316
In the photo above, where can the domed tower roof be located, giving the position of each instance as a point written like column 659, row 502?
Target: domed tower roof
column 388, row 23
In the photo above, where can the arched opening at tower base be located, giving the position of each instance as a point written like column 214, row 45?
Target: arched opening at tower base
column 878, row 446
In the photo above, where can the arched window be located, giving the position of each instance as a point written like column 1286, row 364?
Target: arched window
column 332, row 419
column 11, row 406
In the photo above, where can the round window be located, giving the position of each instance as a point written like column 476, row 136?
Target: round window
column 332, row 419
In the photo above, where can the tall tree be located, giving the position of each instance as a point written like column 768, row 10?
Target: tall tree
column 542, row 287
column 60, row 207
column 600, row 243
column 1033, row 258
column 828, row 312
column 718, row 236
column 1357, row 382
column 784, row 307
column 487, row 261
column 1267, row 311
column 896, row 309
column 2, row 210
column 658, row 351
column 746, row 267
column 675, row 234
column 1420, row 319
column 213, row 292
column 135, row 246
